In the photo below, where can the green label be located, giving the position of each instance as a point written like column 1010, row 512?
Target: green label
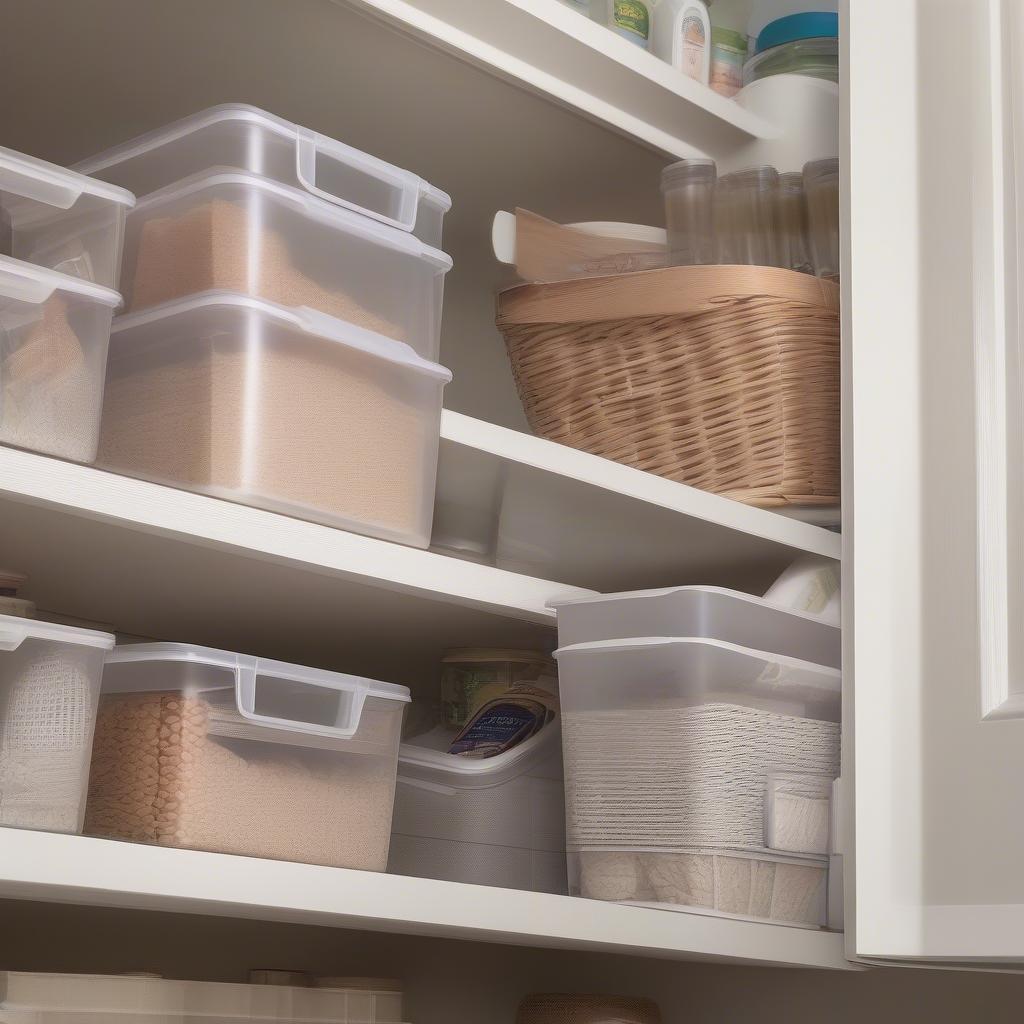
column 632, row 15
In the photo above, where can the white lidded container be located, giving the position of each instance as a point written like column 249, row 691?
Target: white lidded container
column 492, row 821
column 240, row 137
column 49, row 687
column 713, row 613
column 54, row 331
column 239, row 232
column 99, row 999
column 287, row 410
column 60, row 219
column 209, row 750
column 669, row 744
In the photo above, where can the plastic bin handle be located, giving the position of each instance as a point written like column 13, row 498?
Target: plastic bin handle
column 311, row 146
column 12, row 636
column 14, row 285
column 247, row 674
column 58, row 194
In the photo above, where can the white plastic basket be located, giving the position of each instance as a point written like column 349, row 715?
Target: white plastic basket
column 668, row 746
column 49, row 687
column 494, row 821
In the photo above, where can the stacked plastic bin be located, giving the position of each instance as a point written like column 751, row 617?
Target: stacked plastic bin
column 61, row 235
column 283, row 297
column 99, row 999
column 700, row 732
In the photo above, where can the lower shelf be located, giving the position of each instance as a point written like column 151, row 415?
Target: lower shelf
column 97, row 872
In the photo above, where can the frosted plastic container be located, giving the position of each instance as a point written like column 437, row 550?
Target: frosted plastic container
column 283, row 409
column 668, row 746
column 497, row 821
column 209, row 750
column 61, row 220
column 242, row 233
column 688, row 189
column 49, row 686
column 54, row 331
column 711, row 613
column 99, row 999
column 239, row 137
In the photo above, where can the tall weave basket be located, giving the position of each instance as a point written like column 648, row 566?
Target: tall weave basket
column 724, row 378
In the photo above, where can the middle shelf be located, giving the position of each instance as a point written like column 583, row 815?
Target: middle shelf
column 156, row 561
column 41, row 866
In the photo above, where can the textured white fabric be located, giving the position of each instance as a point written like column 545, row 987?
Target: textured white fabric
column 682, row 777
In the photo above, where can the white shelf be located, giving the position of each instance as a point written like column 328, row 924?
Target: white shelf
column 74, row 869
column 552, row 511
column 156, row 561
column 578, row 63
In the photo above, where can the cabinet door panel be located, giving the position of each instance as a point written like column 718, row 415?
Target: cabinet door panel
column 935, row 452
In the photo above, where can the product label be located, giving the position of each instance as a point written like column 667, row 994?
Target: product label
column 632, row 16
column 496, row 729
column 694, row 48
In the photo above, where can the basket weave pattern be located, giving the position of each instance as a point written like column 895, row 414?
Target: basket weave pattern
column 739, row 397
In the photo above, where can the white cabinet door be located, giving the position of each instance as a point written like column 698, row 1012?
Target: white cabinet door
column 934, row 439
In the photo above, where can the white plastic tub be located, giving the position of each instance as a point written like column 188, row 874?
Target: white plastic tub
column 209, row 750
column 49, row 687
column 709, row 612
column 285, row 410
column 54, row 331
column 99, row 999
column 239, row 137
column 496, row 821
column 238, row 232
column 668, row 747
column 61, row 220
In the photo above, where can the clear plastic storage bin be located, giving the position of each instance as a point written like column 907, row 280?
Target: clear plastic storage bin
column 669, row 745
column 242, row 233
column 54, row 331
column 49, row 687
column 99, row 999
column 61, row 220
column 496, row 821
column 239, row 137
column 712, row 613
column 208, row 750
column 283, row 409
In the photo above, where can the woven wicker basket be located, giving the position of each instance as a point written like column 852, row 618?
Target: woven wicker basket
column 724, row 378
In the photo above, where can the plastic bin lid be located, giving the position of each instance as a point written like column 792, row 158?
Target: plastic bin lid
column 124, row 654
column 310, row 321
column 15, row 630
column 32, row 178
column 794, row 27
column 113, row 997
column 317, row 209
column 781, row 677
column 735, row 595
column 28, row 282
column 244, row 112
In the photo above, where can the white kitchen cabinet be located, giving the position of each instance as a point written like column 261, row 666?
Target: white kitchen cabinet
column 522, row 102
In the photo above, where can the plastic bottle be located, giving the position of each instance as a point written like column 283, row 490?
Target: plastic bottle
column 682, row 37
column 631, row 19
